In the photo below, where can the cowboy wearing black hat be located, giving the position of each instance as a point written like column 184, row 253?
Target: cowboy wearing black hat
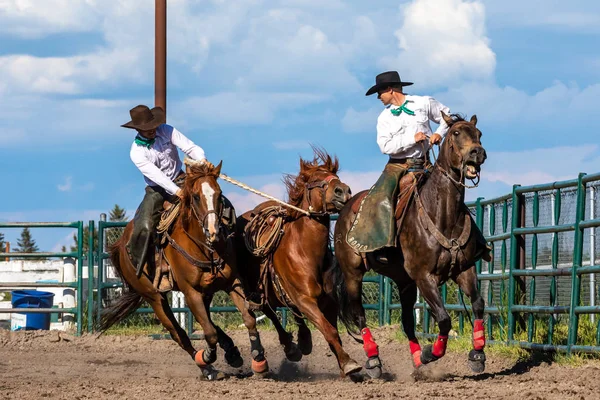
column 404, row 134
column 154, row 152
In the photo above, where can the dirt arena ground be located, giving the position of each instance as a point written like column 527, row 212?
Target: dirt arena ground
column 38, row 365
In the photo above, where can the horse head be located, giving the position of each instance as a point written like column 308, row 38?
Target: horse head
column 462, row 150
column 317, row 186
column 202, row 198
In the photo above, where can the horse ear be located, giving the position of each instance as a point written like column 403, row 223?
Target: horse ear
column 218, row 168
column 474, row 119
column 449, row 121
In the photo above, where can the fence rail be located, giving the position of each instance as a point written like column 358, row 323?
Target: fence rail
column 78, row 310
column 534, row 281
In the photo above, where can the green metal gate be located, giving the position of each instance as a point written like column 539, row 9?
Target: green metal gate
column 533, row 283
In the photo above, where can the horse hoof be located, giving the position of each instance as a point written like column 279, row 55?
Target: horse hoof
column 427, row 355
column 305, row 344
column 234, row 358
column 293, row 353
column 209, row 373
column 351, row 367
column 373, row 367
column 477, row 361
column 260, row 367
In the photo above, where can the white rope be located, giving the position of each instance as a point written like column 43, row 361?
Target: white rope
column 248, row 188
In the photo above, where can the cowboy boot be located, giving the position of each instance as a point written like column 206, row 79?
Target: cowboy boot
column 138, row 247
column 144, row 224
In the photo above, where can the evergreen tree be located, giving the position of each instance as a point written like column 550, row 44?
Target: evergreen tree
column 2, row 243
column 117, row 214
column 26, row 244
column 86, row 239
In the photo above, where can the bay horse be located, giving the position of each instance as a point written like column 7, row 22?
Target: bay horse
column 202, row 257
column 293, row 275
column 436, row 243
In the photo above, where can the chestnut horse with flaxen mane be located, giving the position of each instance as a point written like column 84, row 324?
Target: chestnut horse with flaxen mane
column 285, row 254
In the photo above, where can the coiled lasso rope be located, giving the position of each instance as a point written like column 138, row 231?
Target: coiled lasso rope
column 264, row 232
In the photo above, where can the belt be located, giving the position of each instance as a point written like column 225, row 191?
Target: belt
column 408, row 160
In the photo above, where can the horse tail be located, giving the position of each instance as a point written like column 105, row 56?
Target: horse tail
column 127, row 303
column 342, row 298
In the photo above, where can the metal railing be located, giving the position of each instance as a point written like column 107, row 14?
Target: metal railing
column 78, row 310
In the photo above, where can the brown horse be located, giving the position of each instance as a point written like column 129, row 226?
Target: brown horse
column 202, row 258
column 295, row 271
column 436, row 243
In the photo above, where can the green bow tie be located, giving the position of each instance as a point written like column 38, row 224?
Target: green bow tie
column 398, row 111
column 142, row 141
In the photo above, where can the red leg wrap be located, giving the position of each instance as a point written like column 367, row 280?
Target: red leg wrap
column 260, row 366
column 439, row 347
column 369, row 344
column 478, row 335
column 199, row 360
column 415, row 350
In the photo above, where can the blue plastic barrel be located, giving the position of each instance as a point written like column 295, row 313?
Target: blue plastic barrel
column 31, row 299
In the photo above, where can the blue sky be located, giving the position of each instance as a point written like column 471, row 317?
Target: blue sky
column 254, row 82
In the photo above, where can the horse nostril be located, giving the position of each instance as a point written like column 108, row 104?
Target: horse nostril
column 339, row 191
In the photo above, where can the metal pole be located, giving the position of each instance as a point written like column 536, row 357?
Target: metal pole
column 90, row 291
column 592, row 251
column 160, row 54
column 577, row 258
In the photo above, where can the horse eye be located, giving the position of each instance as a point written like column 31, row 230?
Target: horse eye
column 456, row 133
column 196, row 196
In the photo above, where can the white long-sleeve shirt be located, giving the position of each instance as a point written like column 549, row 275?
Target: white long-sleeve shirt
column 396, row 134
column 160, row 164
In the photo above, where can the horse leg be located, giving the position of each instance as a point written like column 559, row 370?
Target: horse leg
column 259, row 361
column 232, row 353
column 204, row 358
column 304, row 336
column 428, row 287
column 291, row 350
column 356, row 312
column 144, row 288
column 408, row 298
column 467, row 281
column 309, row 307
column 163, row 312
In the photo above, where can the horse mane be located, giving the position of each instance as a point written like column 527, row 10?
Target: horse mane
column 456, row 118
column 296, row 184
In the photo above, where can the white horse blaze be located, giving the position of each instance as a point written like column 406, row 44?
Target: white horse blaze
column 209, row 193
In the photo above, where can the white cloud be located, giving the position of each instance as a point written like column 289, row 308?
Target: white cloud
column 35, row 18
column 508, row 105
column 576, row 15
column 69, row 75
column 442, row 42
column 540, row 165
column 359, row 181
column 66, row 187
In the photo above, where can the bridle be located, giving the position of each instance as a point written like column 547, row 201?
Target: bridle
column 321, row 185
column 206, row 247
column 460, row 182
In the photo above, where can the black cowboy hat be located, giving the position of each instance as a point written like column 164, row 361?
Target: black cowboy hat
column 145, row 119
column 386, row 80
